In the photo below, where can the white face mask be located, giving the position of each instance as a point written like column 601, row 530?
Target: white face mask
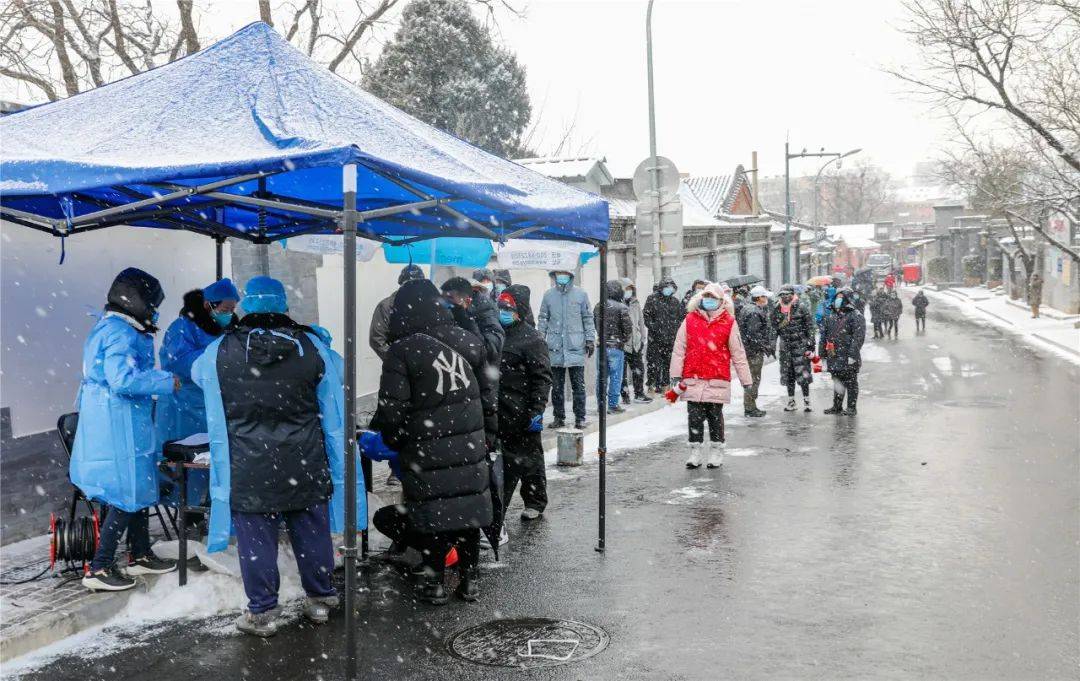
column 486, row 285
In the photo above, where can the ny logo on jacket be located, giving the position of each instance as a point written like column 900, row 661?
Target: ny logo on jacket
column 453, row 369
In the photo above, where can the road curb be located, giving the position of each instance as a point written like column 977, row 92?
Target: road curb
column 1055, row 343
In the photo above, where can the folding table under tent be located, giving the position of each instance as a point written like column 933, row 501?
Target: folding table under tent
column 250, row 139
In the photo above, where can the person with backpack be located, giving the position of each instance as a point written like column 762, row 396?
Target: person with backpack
column 757, row 340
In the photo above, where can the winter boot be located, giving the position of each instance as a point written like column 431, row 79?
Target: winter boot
column 806, row 405
column 468, row 589
column 431, row 590
column 837, row 404
column 754, row 413
column 715, row 457
column 790, row 404
column 263, row 624
column 695, row 455
column 317, row 608
column 851, row 410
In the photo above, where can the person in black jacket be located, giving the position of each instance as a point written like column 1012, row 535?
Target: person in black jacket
column 524, row 385
column 920, row 303
column 618, row 331
column 432, row 411
column 841, row 346
column 663, row 315
column 482, row 309
column 892, row 307
column 794, row 327
column 757, row 341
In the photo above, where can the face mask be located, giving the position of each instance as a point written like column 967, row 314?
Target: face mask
column 223, row 319
column 154, row 317
column 562, row 279
column 837, row 302
column 786, row 300
column 506, row 317
column 499, row 288
column 668, row 291
column 709, row 304
column 486, row 285
column 627, row 295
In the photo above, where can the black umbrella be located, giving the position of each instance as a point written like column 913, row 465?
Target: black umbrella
column 743, row 280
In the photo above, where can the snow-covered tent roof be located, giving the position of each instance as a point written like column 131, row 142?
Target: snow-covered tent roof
column 247, row 138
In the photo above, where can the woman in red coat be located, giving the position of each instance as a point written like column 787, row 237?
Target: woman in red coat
column 707, row 344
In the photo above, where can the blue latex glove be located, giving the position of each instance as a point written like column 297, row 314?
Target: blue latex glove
column 536, row 424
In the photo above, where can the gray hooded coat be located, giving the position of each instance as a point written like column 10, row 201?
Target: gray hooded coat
column 566, row 323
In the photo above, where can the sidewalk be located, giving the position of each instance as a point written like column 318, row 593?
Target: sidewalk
column 46, row 610
column 1054, row 331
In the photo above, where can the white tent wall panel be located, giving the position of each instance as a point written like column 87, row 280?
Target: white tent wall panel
column 47, row 307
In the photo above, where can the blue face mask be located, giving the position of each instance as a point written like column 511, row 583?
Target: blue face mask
column 709, row 304
column 499, row 288
column 668, row 291
column 562, row 279
column 837, row 302
column 506, row 317
column 154, row 317
column 223, row 319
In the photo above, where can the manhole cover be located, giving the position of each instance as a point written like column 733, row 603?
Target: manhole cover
column 529, row 643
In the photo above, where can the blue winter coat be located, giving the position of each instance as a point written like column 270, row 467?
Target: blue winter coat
column 566, row 323
column 331, row 397
column 115, row 456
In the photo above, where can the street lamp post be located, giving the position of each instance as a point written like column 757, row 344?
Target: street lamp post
column 654, row 183
column 787, row 196
column 817, row 178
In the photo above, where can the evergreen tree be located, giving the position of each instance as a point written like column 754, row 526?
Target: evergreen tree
column 443, row 67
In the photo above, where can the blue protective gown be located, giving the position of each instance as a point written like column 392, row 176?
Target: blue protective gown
column 115, row 456
column 183, row 413
column 331, row 396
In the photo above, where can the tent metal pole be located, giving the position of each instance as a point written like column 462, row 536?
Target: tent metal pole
column 219, row 252
column 601, row 403
column 348, row 178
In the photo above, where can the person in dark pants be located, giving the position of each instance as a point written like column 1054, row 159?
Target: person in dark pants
column 920, row 303
column 566, row 323
column 435, row 412
column 794, row 329
column 663, row 313
column 275, row 461
column 757, row 342
column 892, row 307
column 841, row 346
column 115, row 454
column 634, row 367
column 877, row 314
column 524, row 384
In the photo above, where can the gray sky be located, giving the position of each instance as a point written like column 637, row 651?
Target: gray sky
column 732, row 76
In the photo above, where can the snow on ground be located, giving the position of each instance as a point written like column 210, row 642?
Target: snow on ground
column 1058, row 336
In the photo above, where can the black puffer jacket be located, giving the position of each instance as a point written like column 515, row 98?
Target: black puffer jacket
column 892, row 307
column 269, row 371
column 618, row 327
column 754, row 328
column 846, row 331
column 432, row 411
column 525, row 372
column 486, row 316
column 795, row 332
column 663, row 316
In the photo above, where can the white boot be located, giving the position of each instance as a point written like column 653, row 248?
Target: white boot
column 695, row 455
column 790, row 404
column 806, row 405
column 715, row 458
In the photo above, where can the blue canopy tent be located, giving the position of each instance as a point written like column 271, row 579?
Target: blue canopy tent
column 250, row 139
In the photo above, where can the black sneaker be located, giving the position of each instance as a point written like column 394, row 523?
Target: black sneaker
column 557, row 423
column 616, row 410
column 110, row 579
column 432, row 591
column 754, row 413
column 643, row 399
column 626, row 399
column 150, row 565
column 581, row 425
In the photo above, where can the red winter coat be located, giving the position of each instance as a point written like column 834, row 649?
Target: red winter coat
column 705, row 348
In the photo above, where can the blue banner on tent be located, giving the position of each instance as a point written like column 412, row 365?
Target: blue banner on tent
column 449, row 250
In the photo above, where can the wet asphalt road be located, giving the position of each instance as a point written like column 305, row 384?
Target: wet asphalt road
column 933, row 536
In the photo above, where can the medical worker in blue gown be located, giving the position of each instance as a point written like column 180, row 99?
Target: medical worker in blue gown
column 274, row 407
column 115, row 457
column 203, row 318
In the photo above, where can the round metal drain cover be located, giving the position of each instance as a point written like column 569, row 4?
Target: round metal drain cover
column 529, row 643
